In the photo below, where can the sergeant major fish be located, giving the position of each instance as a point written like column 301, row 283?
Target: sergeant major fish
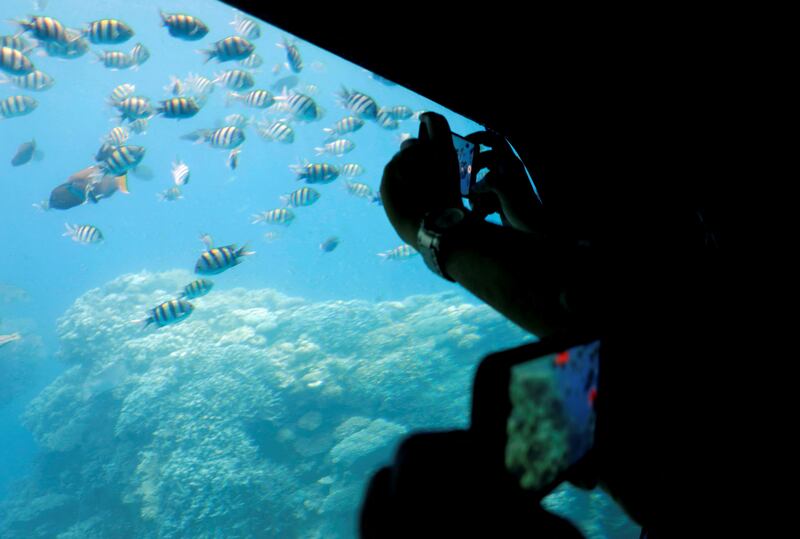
column 184, row 27
column 350, row 124
column 245, row 26
column 75, row 47
column 352, row 170
column 281, row 216
column 302, row 108
column 260, row 99
column 230, row 48
column 83, row 233
column 134, row 108
column 17, row 105
column 178, row 107
column 169, row 312
column 361, row 190
column 122, row 160
column 219, row 259
column 235, row 79
column 35, row 80
column 16, row 42
column 360, row 104
column 115, row 59
column 196, row 289
column 337, row 147
column 293, row 59
column 305, row 196
column 122, row 92
column 225, row 138
column 139, row 54
column 398, row 253
column 45, row 29
column 278, row 130
column 14, row 62
column 108, row 32
column 180, row 173
column 315, row 172
column 253, row 61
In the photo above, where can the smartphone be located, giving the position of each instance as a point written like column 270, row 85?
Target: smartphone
column 466, row 158
column 533, row 409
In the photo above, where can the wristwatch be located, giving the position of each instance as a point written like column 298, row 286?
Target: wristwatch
column 437, row 235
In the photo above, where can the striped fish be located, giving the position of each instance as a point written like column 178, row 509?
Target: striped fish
column 361, row 190
column 399, row 112
column 169, row 312
column 281, row 216
column 104, row 152
column 14, row 62
column 315, row 172
column 236, row 120
column 253, row 61
column 352, row 170
column 293, row 59
column 36, row 81
column 180, row 173
column 219, row 259
column 337, row 147
column 17, row 105
column 225, row 138
column 108, row 32
column 83, row 233
column 75, row 47
column 246, row 26
column 134, row 108
column 122, row 159
column 116, row 137
column 196, row 289
column 305, row 196
column 45, row 29
column 360, row 104
column 278, row 131
column 350, row 124
column 184, row 27
column 139, row 54
column 233, row 159
column 302, row 107
column 15, row 42
column 398, row 253
column 178, row 107
column 122, row 92
column 199, row 84
column 260, row 99
column 235, row 79
column 230, row 48
column 386, row 120
column 176, row 86
column 115, row 59
column 138, row 126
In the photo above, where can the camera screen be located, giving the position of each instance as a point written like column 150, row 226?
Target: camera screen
column 552, row 420
column 466, row 154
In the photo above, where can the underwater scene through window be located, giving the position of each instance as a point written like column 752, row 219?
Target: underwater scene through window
column 208, row 327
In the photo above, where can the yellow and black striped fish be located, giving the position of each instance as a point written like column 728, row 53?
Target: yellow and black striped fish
column 219, row 259
column 139, row 54
column 108, row 32
column 236, row 79
column 115, row 59
column 134, row 108
column 35, row 80
column 83, row 233
column 169, row 312
column 337, row 147
column 260, row 99
column 253, row 61
column 45, row 29
column 14, row 62
column 294, row 60
column 74, row 47
column 121, row 92
column 17, row 105
column 316, row 172
column 246, row 26
column 225, row 138
column 116, row 137
column 387, row 120
column 15, row 42
column 184, row 27
column 303, row 108
column 281, row 216
column 278, row 130
column 352, row 170
column 360, row 104
column 196, row 289
column 361, row 190
column 399, row 253
column 350, row 124
column 178, row 107
column 305, row 196
column 230, row 48
column 122, row 159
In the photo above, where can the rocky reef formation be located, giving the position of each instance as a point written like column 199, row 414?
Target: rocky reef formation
column 260, row 415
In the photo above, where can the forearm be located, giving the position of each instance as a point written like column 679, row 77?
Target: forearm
column 518, row 274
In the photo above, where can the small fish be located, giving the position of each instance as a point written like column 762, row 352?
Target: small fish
column 260, row 99
column 350, row 124
column 330, row 244
column 17, row 105
column 138, row 126
column 134, row 108
column 196, row 289
column 169, row 312
column 294, row 60
column 176, row 86
column 122, row 160
column 180, row 173
column 35, row 80
column 178, row 107
column 278, row 130
column 24, row 153
column 246, row 26
column 14, row 62
column 139, row 54
column 352, row 170
column 16, row 42
column 281, row 216
column 75, row 47
column 315, row 172
column 225, row 138
column 303, row 108
column 233, row 159
column 251, row 62
column 8, row 339
column 361, row 190
column 83, row 233
column 45, row 29
column 285, row 83
column 172, row 194
column 199, row 84
column 305, row 196
column 360, row 104
column 105, row 151
column 122, row 92
column 399, row 112
column 117, row 136
column 184, row 27
column 386, row 120
column 219, row 259
column 337, row 147
column 236, row 120
column 230, row 48
column 235, row 79
column 115, row 59
column 398, row 253
column 108, row 32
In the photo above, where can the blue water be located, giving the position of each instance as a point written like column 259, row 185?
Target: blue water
column 385, row 333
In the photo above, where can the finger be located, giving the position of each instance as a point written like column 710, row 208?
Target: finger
column 408, row 143
column 434, row 127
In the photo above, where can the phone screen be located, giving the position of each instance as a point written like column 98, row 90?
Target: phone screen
column 466, row 155
column 552, row 419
